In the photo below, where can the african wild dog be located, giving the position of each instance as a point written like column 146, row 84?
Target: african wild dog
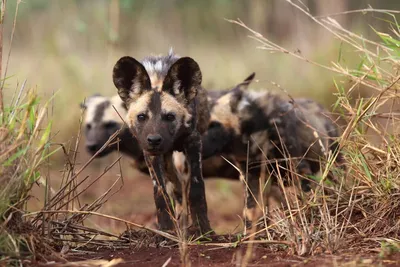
column 215, row 166
column 268, row 121
column 102, row 121
column 167, row 111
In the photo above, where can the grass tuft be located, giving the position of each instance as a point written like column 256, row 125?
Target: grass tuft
column 24, row 143
column 363, row 203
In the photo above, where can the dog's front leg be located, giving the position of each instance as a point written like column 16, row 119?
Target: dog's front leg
column 161, row 198
column 197, row 196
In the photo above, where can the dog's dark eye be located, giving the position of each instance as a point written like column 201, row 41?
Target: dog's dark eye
column 141, row 117
column 214, row 124
column 88, row 126
column 110, row 125
column 170, row 117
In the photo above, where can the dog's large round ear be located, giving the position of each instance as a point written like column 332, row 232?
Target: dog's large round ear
column 131, row 78
column 183, row 79
column 245, row 84
column 86, row 102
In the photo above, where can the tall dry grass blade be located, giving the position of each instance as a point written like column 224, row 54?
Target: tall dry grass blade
column 161, row 233
column 363, row 10
column 11, row 41
column 2, row 15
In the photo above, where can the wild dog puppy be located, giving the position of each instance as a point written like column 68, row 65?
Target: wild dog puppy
column 102, row 121
column 265, row 120
column 167, row 112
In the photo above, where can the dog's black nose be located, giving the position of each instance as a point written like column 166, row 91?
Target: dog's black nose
column 92, row 148
column 154, row 139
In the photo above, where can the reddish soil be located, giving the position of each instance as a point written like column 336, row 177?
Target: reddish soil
column 133, row 200
column 199, row 256
column 222, row 257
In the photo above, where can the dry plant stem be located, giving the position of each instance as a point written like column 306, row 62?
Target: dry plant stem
column 88, row 263
column 234, row 244
column 164, row 234
column 183, row 246
column 95, row 205
column 354, row 44
column 11, row 149
column 72, row 189
column 82, row 228
column 272, row 47
column 3, row 11
column 121, row 177
column 270, row 242
column 11, row 41
column 365, row 10
column 75, row 153
column 16, row 103
column 68, row 166
column 246, row 184
column 167, row 262
column 356, row 119
column 48, row 188
column 69, row 171
column 88, row 186
column 59, row 195
column 350, row 35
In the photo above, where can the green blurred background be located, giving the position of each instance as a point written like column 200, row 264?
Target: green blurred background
column 70, row 47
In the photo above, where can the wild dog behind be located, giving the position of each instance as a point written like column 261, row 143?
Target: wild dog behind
column 167, row 112
column 299, row 132
column 101, row 121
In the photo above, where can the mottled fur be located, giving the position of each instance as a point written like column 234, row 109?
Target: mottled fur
column 301, row 130
column 167, row 112
column 215, row 166
column 101, row 121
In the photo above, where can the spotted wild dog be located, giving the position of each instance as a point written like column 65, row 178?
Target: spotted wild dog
column 299, row 131
column 167, row 112
column 101, row 121
column 214, row 166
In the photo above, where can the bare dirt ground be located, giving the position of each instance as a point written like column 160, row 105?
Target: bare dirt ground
column 220, row 257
